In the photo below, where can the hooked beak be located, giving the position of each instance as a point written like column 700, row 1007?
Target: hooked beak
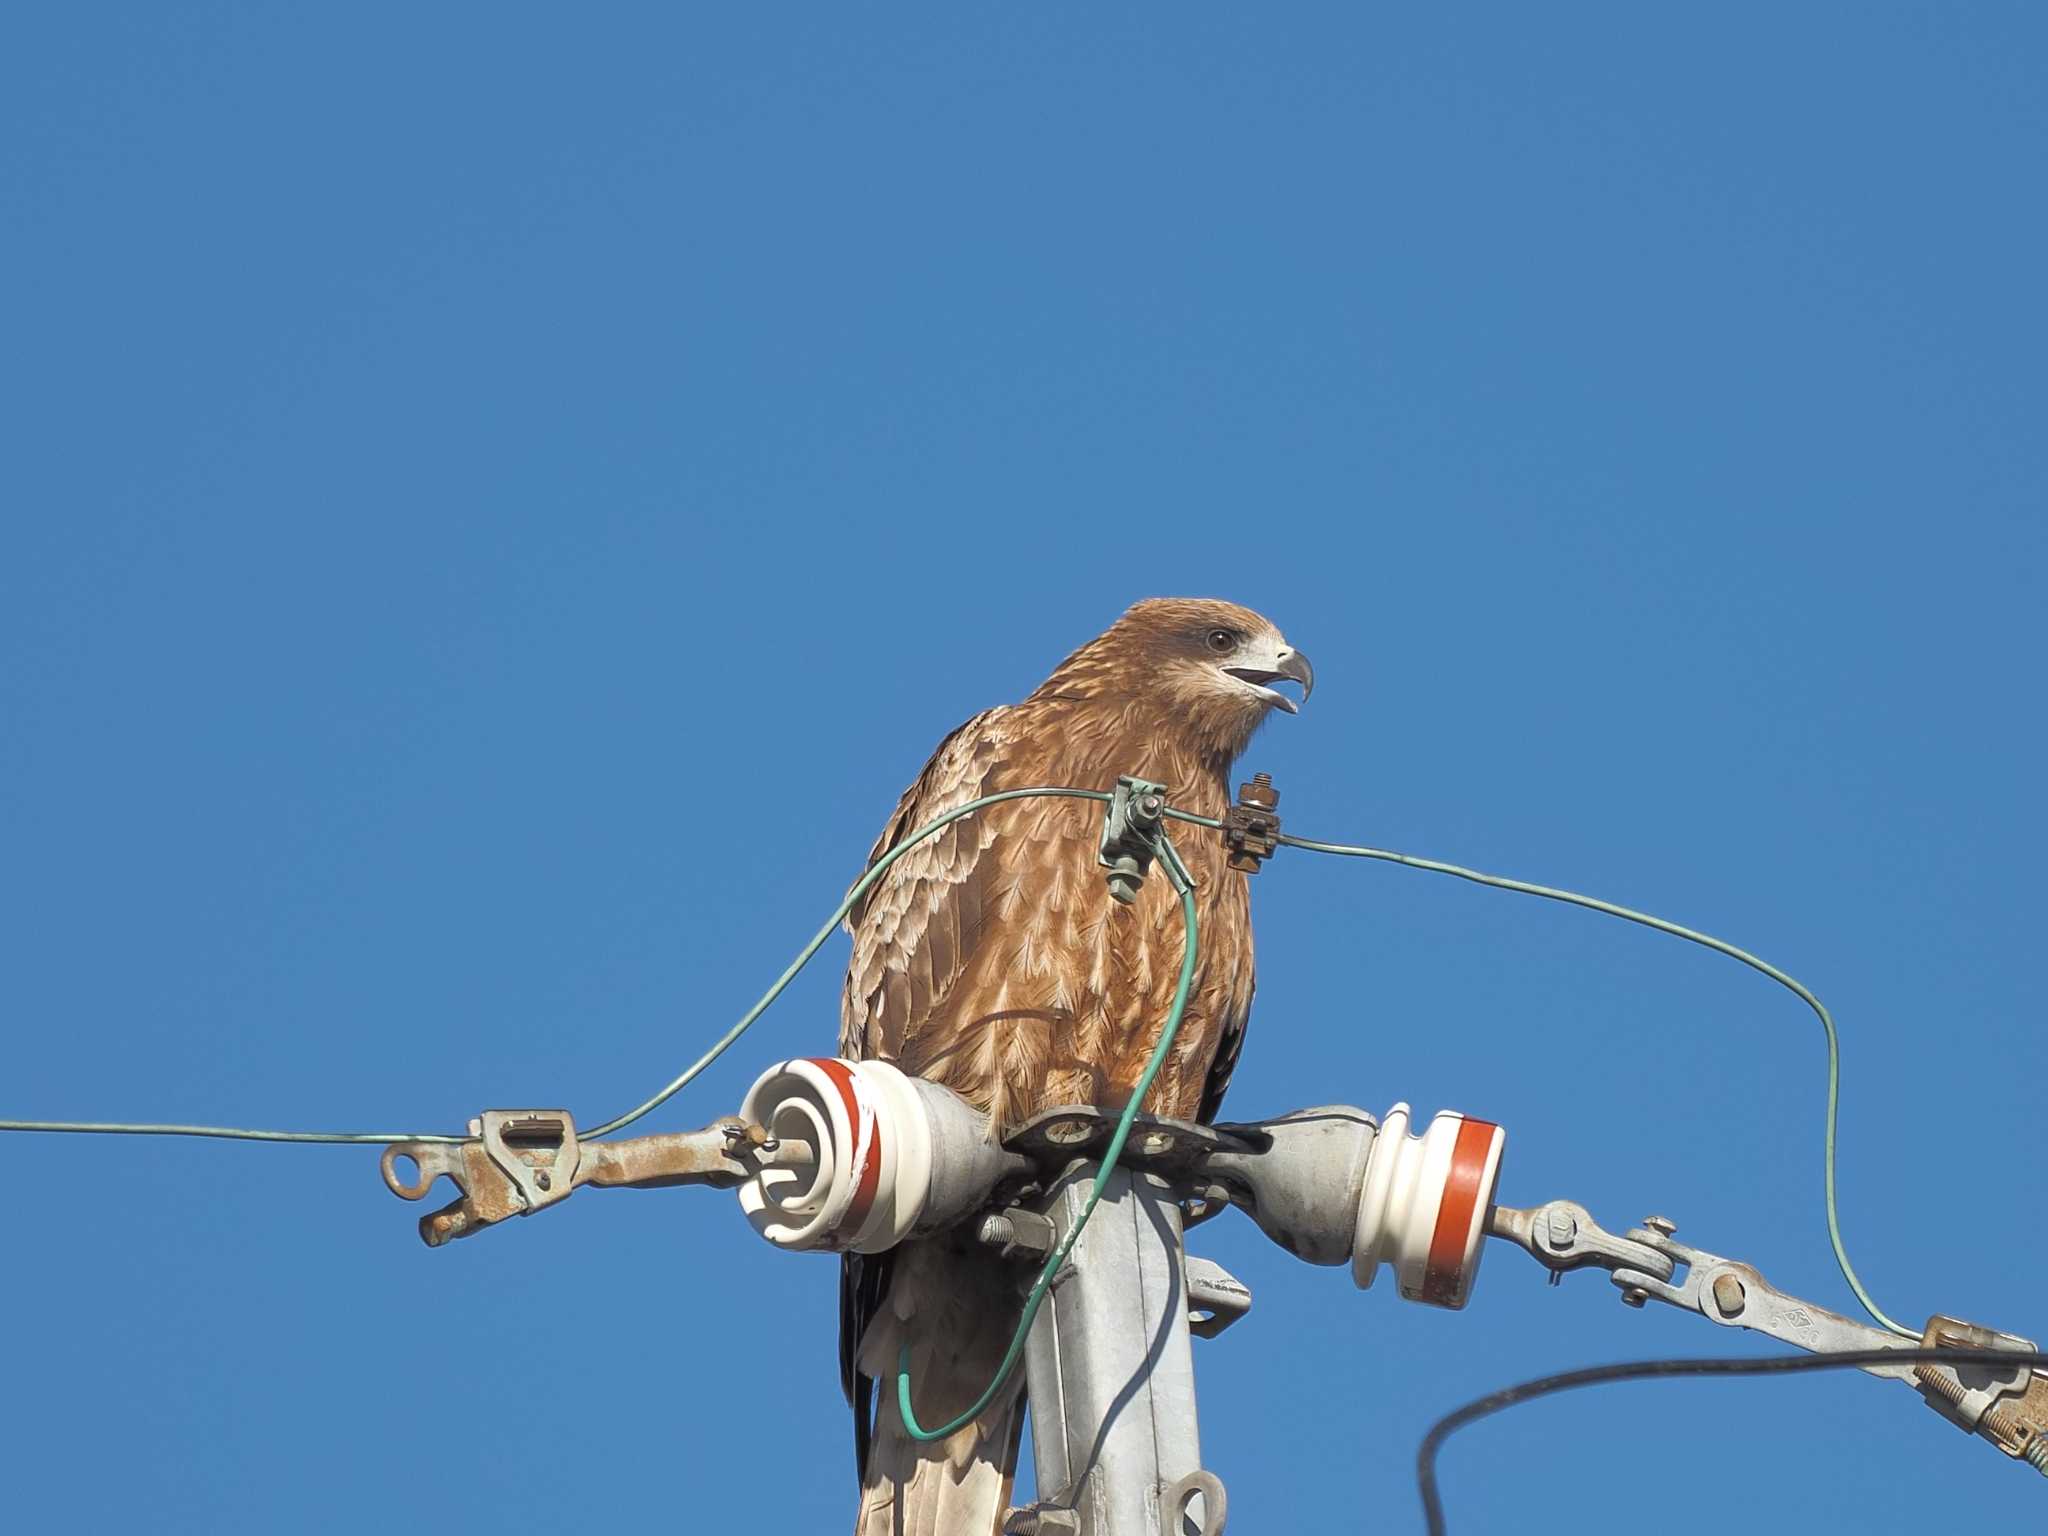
column 1289, row 663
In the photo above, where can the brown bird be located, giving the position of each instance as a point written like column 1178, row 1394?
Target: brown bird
column 993, row 959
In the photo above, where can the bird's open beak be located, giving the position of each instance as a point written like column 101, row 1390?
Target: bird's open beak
column 1289, row 663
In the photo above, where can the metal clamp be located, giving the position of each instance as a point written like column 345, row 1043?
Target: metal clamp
column 1562, row 1235
column 1251, row 828
column 2007, row 1405
column 1130, row 834
column 1736, row 1295
column 524, row 1159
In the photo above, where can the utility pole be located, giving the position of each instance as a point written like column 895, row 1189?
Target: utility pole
column 1111, row 1373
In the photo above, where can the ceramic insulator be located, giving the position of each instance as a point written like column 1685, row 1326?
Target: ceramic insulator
column 1423, row 1209
column 860, row 1165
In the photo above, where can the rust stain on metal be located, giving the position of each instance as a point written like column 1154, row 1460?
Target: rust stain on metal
column 523, row 1160
column 1251, row 828
column 682, row 1157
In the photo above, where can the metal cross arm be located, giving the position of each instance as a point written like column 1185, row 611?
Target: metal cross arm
column 2006, row 1404
column 520, row 1160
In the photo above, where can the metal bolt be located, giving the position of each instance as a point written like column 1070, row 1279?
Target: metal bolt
column 2005, row 1425
column 1663, row 1226
column 1939, row 1381
column 1728, row 1294
column 1563, row 1227
column 997, row 1229
column 543, row 1180
column 1635, row 1296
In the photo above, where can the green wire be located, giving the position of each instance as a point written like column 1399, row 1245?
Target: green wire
column 675, row 1086
column 1178, row 873
column 1676, row 930
column 1182, row 882
column 875, row 872
column 228, row 1132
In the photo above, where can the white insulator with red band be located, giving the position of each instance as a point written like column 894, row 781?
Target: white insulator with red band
column 863, row 1155
column 1423, row 1208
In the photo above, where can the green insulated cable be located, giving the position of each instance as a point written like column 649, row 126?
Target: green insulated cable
column 228, row 1132
column 1183, row 883
column 1676, row 930
column 1178, row 873
column 803, row 958
column 675, row 1085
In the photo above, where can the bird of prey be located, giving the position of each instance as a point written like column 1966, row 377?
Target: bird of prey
column 993, row 959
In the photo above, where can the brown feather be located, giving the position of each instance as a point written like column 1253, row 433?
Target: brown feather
column 993, row 959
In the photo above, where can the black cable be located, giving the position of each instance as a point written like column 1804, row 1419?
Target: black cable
column 1636, row 1370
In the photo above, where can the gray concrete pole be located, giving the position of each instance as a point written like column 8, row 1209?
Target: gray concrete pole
column 1111, row 1374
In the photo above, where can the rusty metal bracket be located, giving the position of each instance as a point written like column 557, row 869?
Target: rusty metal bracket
column 2007, row 1406
column 1251, row 828
column 521, row 1160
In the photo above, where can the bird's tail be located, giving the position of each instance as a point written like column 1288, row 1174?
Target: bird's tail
column 956, row 1305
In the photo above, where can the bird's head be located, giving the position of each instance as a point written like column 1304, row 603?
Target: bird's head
column 1207, row 666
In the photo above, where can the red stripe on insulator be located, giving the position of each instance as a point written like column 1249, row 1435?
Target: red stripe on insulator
column 870, row 1175
column 1443, row 1278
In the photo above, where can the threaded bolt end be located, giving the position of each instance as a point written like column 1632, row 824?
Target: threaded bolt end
column 1936, row 1380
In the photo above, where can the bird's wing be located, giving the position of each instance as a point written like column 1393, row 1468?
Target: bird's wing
column 1229, row 1042
column 912, row 935
column 914, row 932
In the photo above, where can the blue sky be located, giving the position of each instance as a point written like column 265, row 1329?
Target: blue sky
column 498, row 501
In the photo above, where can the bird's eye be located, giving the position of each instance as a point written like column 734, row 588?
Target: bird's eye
column 1223, row 639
